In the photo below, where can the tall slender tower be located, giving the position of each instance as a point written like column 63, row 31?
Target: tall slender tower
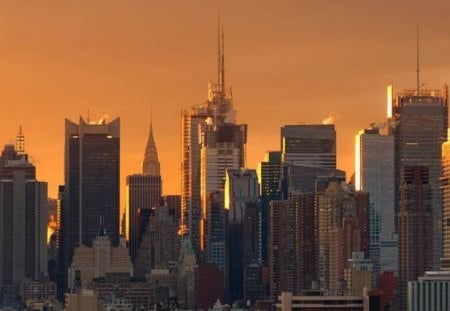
column 92, row 180
column 211, row 142
column 374, row 173
column 143, row 193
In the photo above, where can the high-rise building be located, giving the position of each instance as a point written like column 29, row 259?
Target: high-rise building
column 211, row 143
column 160, row 244
column 446, row 205
column 243, row 229
column 23, row 220
column 143, row 191
column 374, row 173
column 418, row 121
column 342, row 228
column 430, row 292
column 292, row 244
column 92, row 179
column 269, row 176
column 309, row 145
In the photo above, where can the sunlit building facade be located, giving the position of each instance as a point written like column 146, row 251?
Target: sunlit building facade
column 374, row 173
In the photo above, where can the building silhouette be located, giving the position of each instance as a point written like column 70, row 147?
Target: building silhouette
column 143, row 191
column 91, row 190
column 418, row 122
column 211, row 143
column 312, row 145
column 23, row 220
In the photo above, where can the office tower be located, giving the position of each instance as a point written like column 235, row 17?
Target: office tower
column 418, row 121
column 446, row 205
column 243, row 241
column 430, row 292
column 211, row 143
column 359, row 274
column 292, row 244
column 374, row 173
column 143, row 191
column 342, row 228
column 160, row 244
column 91, row 190
column 415, row 226
column 173, row 203
column 23, row 220
column 309, row 145
column 98, row 260
column 269, row 175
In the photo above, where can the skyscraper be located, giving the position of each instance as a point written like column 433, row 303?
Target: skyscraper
column 23, row 220
column 211, row 143
column 243, row 229
column 269, row 175
column 374, row 173
column 419, row 121
column 92, row 175
column 292, row 244
column 446, row 205
column 309, row 145
column 143, row 191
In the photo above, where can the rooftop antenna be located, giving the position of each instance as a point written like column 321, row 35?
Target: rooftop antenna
column 222, row 74
column 219, row 56
column 20, row 142
column 418, row 70
column 88, row 117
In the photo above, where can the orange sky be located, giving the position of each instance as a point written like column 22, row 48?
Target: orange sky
column 287, row 61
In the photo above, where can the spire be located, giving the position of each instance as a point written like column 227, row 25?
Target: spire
column 151, row 166
column 220, row 57
column 20, row 142
column 418, row 81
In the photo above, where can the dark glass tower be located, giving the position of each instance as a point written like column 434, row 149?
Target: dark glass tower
column 92, row 175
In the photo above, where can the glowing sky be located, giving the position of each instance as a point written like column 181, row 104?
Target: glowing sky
column 288, row 62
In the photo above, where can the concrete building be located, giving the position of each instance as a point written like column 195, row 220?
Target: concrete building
column 312, row 145
column 160, row 244
column 374, row 173
column 359, row 274
column 430, row 292
column 342, row 228
column 96, row 261
column 143, row 191
column 446, row 205
column 85, row 299
column 318, row 301
column 23, row 220
column 293, row 254
column 92, row 185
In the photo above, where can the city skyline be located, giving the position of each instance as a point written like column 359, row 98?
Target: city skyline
column 149, row 57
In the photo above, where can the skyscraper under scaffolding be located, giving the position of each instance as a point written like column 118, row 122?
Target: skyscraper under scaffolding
column 211, row 143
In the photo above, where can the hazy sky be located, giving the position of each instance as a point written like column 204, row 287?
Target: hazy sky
column 288, row 62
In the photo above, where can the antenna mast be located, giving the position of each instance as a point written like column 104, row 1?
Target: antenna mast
column 418, row 71
column 20, row 142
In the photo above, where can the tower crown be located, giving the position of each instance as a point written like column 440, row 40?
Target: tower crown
column 151, row 165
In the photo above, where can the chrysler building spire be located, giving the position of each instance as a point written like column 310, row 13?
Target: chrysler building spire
column 151, row 166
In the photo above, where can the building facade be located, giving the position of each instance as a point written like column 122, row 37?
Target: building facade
column 374, row 173
column 23, row 221
column 92, row 184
